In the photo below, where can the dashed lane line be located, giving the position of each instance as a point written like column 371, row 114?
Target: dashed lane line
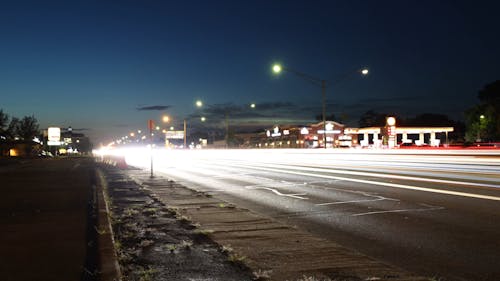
column 401, row 186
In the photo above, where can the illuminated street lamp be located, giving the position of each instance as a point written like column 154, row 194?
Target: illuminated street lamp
column 226, row 117
column 198, row 104
column 278, row 68
column 481, row 118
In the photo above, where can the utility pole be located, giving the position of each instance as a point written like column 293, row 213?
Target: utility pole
column 323, row 92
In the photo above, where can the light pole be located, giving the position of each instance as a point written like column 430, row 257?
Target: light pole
column 198, row 104
column 481, row 118
column 150, row 126
column 278, row 68
column 226, row 117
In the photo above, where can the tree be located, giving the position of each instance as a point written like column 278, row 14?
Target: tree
column 483, row 120
column 372, row 118
column 11, row 132
column 330, row 117
column 429, row 119
column 27, row 128
column 4, row 119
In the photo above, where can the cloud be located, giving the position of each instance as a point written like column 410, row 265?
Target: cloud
column 154, row 107
column 274, row 105
column 263, row 115
column 81, row 129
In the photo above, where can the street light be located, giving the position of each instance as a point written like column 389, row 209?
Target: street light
column 226, row 117
column 481, row 118
column 278, row 68
column 198, row 104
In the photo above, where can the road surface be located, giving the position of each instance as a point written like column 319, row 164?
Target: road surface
column 435, row 213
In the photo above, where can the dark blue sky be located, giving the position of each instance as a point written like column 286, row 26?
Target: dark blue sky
column 92, row 64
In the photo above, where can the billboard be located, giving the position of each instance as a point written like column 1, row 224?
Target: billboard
column 174, row 134
column 54, row 136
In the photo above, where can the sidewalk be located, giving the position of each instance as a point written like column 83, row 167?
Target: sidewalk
column 43, row 218
column 272, row 250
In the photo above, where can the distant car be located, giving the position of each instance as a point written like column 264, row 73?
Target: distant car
column 45, row 154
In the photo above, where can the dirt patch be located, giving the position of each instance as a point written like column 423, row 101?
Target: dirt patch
column 156, row 243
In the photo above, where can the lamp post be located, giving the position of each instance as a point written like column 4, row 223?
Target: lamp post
column 226, row 122
column 198, row 104
column 278, row 68
column 481, row 118
column 151, row 126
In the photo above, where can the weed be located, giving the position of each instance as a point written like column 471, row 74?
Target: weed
column 150, row 211
column 235, row 258
column 118, row 245
column 171, row 247
column 227, row 249
column 205, row 232
column 100, row 231
column 312, row 278
column 224, row 205
column 186, row 244
column 146, row 243
column 146, row 274
column 130, row 212
column 183, row 219
column 262, row 274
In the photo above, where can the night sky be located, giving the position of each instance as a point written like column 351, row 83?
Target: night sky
column 106, row 67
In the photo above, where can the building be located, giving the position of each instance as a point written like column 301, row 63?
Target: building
column 66, row 141
column 337, row 135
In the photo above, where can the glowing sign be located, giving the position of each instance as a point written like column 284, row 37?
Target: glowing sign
column 329, row 127
column 276, row 132
column 329, row 132
column 54, row 136
column 174, row 135
column 391, row 121
column 304, row 131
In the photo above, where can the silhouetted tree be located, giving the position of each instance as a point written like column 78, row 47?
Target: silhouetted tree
column 429, row 119
column 4, row 119
column 372, row 118
column 330, row 117
column 27, row 128
column 483, row 120
column 11, row 132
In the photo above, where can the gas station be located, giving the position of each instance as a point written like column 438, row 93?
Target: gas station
column 392, row 132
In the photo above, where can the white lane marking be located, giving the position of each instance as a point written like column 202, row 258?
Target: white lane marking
column 401, row 186
column 293, row 195
column 428, row 208
column 352, row 201
column 379, row 175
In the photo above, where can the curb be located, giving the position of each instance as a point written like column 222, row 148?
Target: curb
column 109, row 269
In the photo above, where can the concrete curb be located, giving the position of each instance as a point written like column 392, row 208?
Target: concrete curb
column 109, row 269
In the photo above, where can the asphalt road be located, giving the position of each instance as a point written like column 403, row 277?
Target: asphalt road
column 435, row 213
